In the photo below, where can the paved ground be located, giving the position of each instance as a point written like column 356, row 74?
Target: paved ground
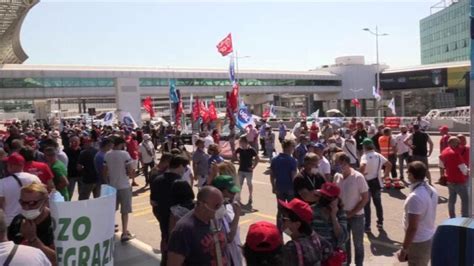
column 380, row 247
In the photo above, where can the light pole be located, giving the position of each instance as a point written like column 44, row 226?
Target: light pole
column 377, row 35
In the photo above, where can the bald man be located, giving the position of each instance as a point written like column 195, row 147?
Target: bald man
column 196, row 240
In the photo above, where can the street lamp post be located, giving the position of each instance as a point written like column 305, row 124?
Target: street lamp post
column 377, row 35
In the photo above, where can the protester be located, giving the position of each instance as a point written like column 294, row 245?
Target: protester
column 354, row 196
column 403, row 150
column 301, row 150
column 282, row 172
column 3, row 167
column 419, row 217
column 388, row 149
column 11, row 185
column 314, row 132
column 118, row 169
column 132, row 149
column 248, row 160
column 230, row 219
column 324, row 167
column 90, row 181
column 349, row 147
column 160, row 197
column 200, row 163
column 196, row 239
column 359, row 135
column 146, row 155
column 39, row 169
column 370, row 166
column 105, row 146
column 59, row 171
column 73, row 173
column 14, row 254
column 269, row 139
column 252, row 137
column 308, row 179
column 305, row 247
column 457, row 173
column 231, row 138
column 34, row 226
column 215, row 157
column 327, row 130
column 263, row 245
column 262, row 133
column 282, row 131
column 375, row 138
column 419, row 145
column 464, row 149
column 182, row 202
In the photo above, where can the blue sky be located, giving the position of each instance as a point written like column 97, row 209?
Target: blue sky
column 275, row 34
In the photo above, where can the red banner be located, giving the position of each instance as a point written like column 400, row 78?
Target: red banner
column 196, row 109
column 148, row 106
column 204, row 113
column 234, row 97
column 229, row 112
column 225, row 46
column 212, row 111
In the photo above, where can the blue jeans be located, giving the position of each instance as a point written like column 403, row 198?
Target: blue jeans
column 461, row 190
column 355, row 228
column 376, row 197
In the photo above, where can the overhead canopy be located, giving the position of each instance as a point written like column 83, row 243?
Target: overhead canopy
column 12, row 14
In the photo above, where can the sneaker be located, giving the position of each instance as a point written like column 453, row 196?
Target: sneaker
column 127, row 237
column 134, row 184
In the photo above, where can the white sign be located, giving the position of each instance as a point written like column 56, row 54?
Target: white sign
column 84, row 230
column 108, row 118
column 127, row 119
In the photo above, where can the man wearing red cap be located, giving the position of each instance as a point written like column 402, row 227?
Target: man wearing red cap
column 263, row 245
column 443, row 144
column 10, row 186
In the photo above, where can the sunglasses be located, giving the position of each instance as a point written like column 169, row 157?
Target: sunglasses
column 30, row 203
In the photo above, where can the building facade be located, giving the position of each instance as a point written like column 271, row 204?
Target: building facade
column 445, row 35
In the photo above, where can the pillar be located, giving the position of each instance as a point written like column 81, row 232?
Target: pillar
column 127, row 97
column 402, row 103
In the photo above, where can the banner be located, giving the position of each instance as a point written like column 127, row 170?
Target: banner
column 108, row 119
column 224, row 47
column 127, row 119
column 84, row 230
column 244, row 117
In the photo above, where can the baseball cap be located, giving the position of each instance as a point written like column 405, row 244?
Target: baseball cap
column 15, row 159
column 300, row 208
column 29, row 140
column 225, row 182
column 263, row 237
column 443, row 128
column 330, row 189
column 367, row 141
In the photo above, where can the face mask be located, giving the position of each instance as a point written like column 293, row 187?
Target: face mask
column 220, row 213
column 31, row 214
column 314, row 171
column 288, row 231
column 332, row 145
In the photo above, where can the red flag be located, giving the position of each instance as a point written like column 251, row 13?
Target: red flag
column 266, row 113
column 229, row 112
column 204, row 113
column 356, row 103
column 148, row 106
column 212, row 111
column 233, row 97
column 196, row 109
column 225, row 46
column 179, row 109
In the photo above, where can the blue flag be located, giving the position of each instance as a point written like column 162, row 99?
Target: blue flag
column 232, row 70
column 173, row 95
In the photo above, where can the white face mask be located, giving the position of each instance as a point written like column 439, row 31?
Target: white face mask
column 314, row 170
column 31, row 214
column 220, row 213
column 288, row 231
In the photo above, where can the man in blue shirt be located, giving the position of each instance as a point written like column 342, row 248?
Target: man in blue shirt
column 282, row 172
column 301, row 150
column 281, row 132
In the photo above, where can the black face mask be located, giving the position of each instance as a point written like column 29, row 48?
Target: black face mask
column 324, row 201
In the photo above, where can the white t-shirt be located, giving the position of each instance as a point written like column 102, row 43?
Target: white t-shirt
column 208, row 141
column 10, row 191
column 187, row 175
column 401, row 146
column 351, row 189
column 24, row 255
column 142, row 149
column 350, row 149
column 373, row 164
column 324, row 167
column 116, row 162
column 422, row 201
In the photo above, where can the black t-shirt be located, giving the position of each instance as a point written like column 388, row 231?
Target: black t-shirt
column 193, row 239
column 359, row 136
column 375, row 139
column 309, row 181
column 44, row 231
column 73, row 157
column 86, row 159
column 419, row 141
column 160, row 193
column 246, row 158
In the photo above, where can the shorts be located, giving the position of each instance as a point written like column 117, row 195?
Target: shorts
column 423, row 159
column 124, row 199
column 245, row 175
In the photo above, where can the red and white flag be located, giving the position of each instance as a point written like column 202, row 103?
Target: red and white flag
column 225, row 46
column 355, row 102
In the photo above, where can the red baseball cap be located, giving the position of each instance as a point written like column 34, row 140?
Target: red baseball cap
column 263, row 237
column 30, row 140
column 443, row 128
column 300, row 208
column 330, row 189
column 15, row 159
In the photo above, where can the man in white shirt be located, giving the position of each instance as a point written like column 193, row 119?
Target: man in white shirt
column 354, row 196
column 349, row 147
column 146, row 154
column 118, row 169
column 11, row 254
column 371, row 128
column 10, row 186
column 324, row 167
column 371, row 163
column 419, row 217
column 403, row 151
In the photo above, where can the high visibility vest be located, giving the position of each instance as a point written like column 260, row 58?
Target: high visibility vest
column 385, row 145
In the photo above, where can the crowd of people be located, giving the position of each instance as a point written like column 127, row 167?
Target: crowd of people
column 324, row 180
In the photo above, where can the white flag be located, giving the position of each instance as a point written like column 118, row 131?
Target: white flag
column 315, row 115
column 127, row 119
column 391, row 105
column 108, row 118
column 376, row 93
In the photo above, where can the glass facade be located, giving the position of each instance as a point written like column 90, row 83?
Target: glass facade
column 56, row 82
column 160, row 82
column 445, row 35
